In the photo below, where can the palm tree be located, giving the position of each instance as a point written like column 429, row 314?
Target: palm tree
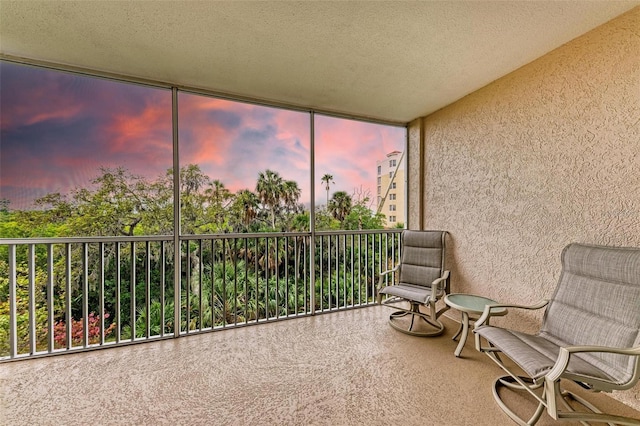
column 270, row 191
column 340, row 205
column 326, row 179
column 245, row 207
column 218, row 195
column 291, row 195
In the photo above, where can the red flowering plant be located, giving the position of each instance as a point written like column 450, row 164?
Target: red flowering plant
column 77, row 330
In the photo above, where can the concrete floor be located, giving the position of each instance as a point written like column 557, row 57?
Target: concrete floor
column 344, row 368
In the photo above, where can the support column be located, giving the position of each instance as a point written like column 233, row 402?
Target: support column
column 415, row 174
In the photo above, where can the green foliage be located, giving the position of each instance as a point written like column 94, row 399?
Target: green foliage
column 23, row 318
column 223, row 282
column 340, row 205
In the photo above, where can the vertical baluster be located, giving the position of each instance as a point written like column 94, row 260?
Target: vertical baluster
column 344, row 272
column 306, row 267
column 224, row 283
column 118, row 295
column 13, row 317
column 353, row 268
column 200, row 263
column 147, row 305
column 329, row 254
column 375, row 252
column 68, row 317
column 85, row 294
column 334, row 293
column 330, row 271
column 321, row 271
column 286, row 276
column 296, row 273
column 213, row 284
column 163, row 283
column 266, row 280
column 235, row 280
column 50, row 292
column 310, row 271
column 366, row 265
column 133, row 291
column 246, row 283
column 255, row 268
column 381, row 253
column 336, row 272
column 384, row 255
column 393, row 254
column 340, row 261
column 360, row 269
column 101, row 292
column 32, row 298
column 277, row 271
column 188, row 284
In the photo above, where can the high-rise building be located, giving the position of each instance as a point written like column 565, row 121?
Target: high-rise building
column 390, row 189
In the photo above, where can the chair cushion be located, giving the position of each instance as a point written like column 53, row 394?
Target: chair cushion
column 421, row 261
column 415, row 293
column 536, row 355
column 597, row 302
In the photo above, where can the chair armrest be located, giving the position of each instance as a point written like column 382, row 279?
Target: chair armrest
column 438, row 284
column 382, row 274
column 565, row 354
column 486, row 314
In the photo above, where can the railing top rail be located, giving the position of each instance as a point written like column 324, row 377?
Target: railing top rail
column 228, row 236
column 80, row 240
column 361, row 232
column 144, row 238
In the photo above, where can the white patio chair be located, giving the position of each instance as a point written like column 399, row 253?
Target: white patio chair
column 422, row 281
column 590, row 335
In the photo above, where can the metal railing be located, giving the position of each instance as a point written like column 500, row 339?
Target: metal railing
column 59, row 295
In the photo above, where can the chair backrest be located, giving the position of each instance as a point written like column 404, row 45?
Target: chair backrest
column 422, row 257
column 597, row 302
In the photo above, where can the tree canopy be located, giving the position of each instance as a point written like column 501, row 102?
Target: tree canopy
column 118, row 202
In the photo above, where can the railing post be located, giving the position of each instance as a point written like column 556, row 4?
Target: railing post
column 312, row 219
column 50, row 283
column 101, row 290
column 13, row 332
column 32, row 299
column 118, row 280
column 132, row 292
column 68, row 317
column 177, row 247
column 85, row 294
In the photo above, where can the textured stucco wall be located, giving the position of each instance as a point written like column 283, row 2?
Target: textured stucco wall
column 414, row 175
column 545, row 156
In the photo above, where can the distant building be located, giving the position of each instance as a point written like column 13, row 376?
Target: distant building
column 390, row 192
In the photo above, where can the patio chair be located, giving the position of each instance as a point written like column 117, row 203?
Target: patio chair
column 421, row 281
column 590, row 334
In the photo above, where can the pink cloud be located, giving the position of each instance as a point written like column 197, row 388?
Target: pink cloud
column 349, row 150
column 97, row 123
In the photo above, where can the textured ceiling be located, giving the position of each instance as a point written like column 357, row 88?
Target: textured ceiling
column 394, row 61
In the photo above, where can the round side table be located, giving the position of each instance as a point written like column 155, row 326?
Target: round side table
column 468, row 304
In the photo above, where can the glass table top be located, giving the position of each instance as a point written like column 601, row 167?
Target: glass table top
column 471, row 303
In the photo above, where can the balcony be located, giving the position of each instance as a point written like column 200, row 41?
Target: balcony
column 341, row 368
column 346, row 366
column 514, row 170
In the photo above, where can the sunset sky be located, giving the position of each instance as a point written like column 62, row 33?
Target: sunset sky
column 57, row 129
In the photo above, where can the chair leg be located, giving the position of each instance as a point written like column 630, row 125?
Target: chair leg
column 527, row 385
column 568, row 414
column 414, row 311
column 593, row 415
